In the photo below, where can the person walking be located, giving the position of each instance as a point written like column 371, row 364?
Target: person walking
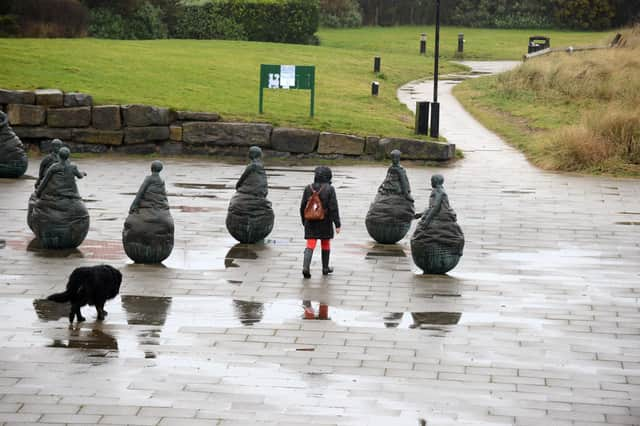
column 319, row 213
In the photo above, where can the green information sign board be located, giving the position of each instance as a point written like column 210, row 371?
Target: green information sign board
column 301, row 77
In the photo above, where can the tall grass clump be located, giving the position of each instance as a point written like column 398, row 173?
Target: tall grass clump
column 604, row 139
column 602, row 75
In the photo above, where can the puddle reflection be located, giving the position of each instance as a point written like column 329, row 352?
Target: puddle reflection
column 166, row 313
column 35, row 247
column 201, row 185
column 93, row 339
column 214, row 258
column 239, row 251
column 46, row 310
column 248, row 313
column 163, row 314
column 138, row 324
column 147, row 310
column 422, row 320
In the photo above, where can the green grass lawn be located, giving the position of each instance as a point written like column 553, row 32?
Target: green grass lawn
column 223, row 76
column 480, row 43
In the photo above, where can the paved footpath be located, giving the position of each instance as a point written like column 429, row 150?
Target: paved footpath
column 538, row 325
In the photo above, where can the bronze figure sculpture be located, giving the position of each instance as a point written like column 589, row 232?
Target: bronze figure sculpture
column 437, row 243
column 250, row 216
column 389, row 217
column 148, row 231
column 57, row 214
column 13, row 157
column 49, row 159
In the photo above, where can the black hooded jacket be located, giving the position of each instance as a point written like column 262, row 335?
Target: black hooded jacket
column 321, row 229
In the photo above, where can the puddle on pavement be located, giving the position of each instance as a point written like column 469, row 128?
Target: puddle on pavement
column 628, row 223
column 280, row 169
column 136, row 324
column 201, row 185
column 421, row 320
column 194, row 209
column 172, row 313
column 87, row 339
column 517, row 191
column 3, row 244
column 634, row 213
column 35, row 247
column 89, row 249
column 561, row 258
column 276, row 242
column 389, row 250
column 211, row 258
column 178, row 195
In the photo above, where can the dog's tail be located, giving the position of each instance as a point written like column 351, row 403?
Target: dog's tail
column 60, row 297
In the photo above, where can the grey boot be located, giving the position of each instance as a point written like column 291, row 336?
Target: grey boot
column 306, row 264
column 325, row 262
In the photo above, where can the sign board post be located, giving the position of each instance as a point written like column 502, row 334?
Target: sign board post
column 300, row 77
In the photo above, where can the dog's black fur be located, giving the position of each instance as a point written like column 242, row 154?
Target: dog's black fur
column 92, row 285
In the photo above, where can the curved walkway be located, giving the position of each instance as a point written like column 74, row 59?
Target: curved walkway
column 538, row 324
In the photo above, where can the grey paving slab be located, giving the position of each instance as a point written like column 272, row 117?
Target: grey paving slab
column 537, row 325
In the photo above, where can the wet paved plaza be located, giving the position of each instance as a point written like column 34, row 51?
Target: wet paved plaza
column 538, row 324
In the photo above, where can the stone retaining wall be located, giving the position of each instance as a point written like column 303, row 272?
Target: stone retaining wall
column 41, row 115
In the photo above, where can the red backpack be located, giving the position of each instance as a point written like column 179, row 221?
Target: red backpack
column 314, row 210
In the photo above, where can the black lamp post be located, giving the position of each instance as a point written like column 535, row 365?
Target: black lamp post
column 435, row 106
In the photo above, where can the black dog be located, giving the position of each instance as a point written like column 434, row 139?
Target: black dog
column 92, row 285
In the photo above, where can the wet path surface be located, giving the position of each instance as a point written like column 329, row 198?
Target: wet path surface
column 538, row 324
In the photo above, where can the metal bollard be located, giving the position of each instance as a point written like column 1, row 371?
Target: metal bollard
column 376, row 64
column 460, row 42
column 375, row 86
column 422, row 118
column 423, row 44
column 435, row 120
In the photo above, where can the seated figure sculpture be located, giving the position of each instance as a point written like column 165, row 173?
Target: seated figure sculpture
column 437, row 243
column 13, row 158
column 49, row 159
column 250, row 216
column 148, row 231
column 45, row 163
column 57, row 215
column 389, row 217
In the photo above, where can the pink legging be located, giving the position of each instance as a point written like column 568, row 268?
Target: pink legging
column 324, row 244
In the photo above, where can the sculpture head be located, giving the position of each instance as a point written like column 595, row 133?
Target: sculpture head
column 395, row 157
column 56, row 144
column 255, row 152
column 437, row 180
column 156, row 166
column 322, row 174
column 64, row 153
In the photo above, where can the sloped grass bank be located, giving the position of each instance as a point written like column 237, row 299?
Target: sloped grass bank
column 578, row 112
